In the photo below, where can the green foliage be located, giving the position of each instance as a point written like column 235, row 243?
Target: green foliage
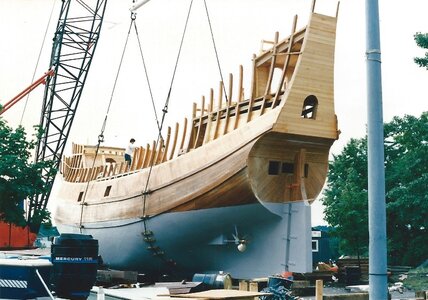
column 406, row 182
column 417, row 279
column 422, row 41
column 19, row 178
column 345, row 198
column 406, row 152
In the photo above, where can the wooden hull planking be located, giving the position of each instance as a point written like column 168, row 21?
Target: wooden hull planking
column 259, row 156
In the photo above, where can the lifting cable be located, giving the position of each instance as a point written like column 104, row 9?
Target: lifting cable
column 215, row 50
column 145, row 71
column 148, row 235
column 165, row 109
column 103, row 127
column 38, row 60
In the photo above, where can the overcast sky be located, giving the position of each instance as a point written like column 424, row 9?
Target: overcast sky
column 239, row 26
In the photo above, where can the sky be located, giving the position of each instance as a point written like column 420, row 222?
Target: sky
column 238, row 28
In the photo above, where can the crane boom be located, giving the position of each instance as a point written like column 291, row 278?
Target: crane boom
column 74, row 44
column 17, row 98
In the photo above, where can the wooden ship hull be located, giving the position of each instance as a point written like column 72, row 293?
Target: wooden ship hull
column 231, row 191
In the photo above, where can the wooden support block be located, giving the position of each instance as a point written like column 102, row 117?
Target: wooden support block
column 253, row 287
column 319, row 285
column 243, row 285
column 420, row 295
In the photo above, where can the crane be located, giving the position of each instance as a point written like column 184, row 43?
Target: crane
column 76, row 37
column 26, row 91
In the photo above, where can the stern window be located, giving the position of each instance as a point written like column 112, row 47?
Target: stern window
column 287, row 168
column 273, row 167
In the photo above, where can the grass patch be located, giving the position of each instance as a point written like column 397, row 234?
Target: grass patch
column 417, row 279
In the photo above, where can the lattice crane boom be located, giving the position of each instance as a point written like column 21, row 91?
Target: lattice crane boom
column 75, row 41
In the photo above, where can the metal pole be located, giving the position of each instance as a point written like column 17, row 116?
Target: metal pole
column 378, row 289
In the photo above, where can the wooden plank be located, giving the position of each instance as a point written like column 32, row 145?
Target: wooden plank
column 152, row 157
column 135, row 157
column 285, row 67
column 220, row 100
column 271, row 71
column 228, row 104
column 252, row 92
column 183, row 137
column 240, row 96
column 195, row 143
column 141, row 155
column 165, row 149
column 230, row 87
column 159, row 152
column 174, row 143
column 147, row 155
column 207, row 136
column 243, row 285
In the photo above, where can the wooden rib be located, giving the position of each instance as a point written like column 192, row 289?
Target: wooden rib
column 110, row 170
column 120, row 168
column 159, row 152
column 181, row 150
column 87, row 174
column 286, row 62
column 92, row 173
column 313, row 5
column 220, row 100
column 152, row 154
column 116, row 169
column 192, row 131
column 165, row 150
column 271, row 71
column 240, row 88
column 147, row 156
column 135, row 158
column 104, row 170
column 195, row 142
column 252, row 92
column 174, row 143
column 238, row 107
column 140, row 158
column 209, row 118
column 228, row 104
column 194, row 108
column 73, row 174
column 337, row 9
column 230, row 87
column 95, row 172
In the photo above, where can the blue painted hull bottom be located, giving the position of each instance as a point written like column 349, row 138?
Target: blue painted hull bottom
column 277, row 239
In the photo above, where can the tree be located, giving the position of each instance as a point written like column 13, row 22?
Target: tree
column 406, row 182
column 422, row 41
column 345, row 198
column 406, row 150
column 19, row 178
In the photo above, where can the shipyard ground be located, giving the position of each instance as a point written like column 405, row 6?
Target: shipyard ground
column 329, row 289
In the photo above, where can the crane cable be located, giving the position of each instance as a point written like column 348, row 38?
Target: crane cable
column 165, row 109
column 215, row 50
column 38, row 60
column 101, row 135
column 147, row 233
